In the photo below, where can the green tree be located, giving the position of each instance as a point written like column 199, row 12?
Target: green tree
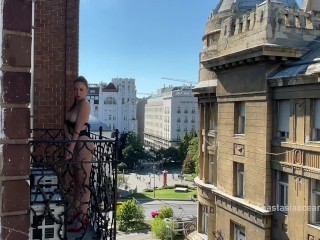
column 159, row 229
column 184, row 145
column 130, row 215
column 165, row 212
column 133, row 150
column 190, row 163
column 171, row 153
column 122, row 166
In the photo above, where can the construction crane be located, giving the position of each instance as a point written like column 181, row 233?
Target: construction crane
column 179, row 80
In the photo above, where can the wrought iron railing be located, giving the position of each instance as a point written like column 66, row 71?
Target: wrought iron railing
column 73, row 198
column 190, row 229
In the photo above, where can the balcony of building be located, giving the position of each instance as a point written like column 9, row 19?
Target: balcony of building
column 72, row 198
column 302, row 159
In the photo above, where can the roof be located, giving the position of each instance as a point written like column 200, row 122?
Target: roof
column 307, row 65
column 228, row 5
column 109, row 88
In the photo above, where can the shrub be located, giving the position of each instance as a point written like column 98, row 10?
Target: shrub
column 168, row 187
column 165, row 212
column 159, row 229
column 148, row 190
column 181, row 185
column 130, row 215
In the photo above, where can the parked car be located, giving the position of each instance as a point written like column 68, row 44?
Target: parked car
column 155, row 213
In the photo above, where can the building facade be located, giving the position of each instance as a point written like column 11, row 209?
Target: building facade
column 115, row 104
column 93, row 98
column 141, row 103
column 168, row 115
column 258, row 92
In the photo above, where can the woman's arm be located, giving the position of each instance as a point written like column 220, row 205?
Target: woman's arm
column 66, row 132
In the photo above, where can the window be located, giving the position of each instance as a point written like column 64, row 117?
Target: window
column 316, row 121
column 315, row 201
column 204, row 220
column 239, row 232
column 240, row 180
column 211, row 168
column 179, row 110
column 248, row 25
column 213, row 116
column 193, row 120
column 282, row 191
column 283, row 118
column 240, row 117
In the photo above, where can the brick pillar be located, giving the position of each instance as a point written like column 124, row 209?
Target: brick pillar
column 15, row 26
column 56, row 59
column 56, row 43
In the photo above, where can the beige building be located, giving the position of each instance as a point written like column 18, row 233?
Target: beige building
column 259, row 122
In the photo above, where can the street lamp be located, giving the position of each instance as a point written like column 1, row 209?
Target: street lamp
column 154, row 181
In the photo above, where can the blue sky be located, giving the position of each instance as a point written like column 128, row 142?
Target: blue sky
column 142, row 39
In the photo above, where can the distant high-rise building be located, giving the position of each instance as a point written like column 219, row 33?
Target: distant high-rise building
column 141, row 103
column 168, row 115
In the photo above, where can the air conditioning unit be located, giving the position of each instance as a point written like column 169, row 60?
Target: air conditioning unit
column 47, row 221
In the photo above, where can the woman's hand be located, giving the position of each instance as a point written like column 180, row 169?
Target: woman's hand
column 69, row 153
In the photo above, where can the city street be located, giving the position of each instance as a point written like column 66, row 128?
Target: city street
column 181, row 209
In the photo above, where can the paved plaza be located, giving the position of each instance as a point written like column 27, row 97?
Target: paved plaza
column 147, row 178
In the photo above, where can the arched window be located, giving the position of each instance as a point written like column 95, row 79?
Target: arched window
column 110, row 100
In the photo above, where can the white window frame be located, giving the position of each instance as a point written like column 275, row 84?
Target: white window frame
column 315, row 197
column 240, row 180
column 283, row 118
column 239, row 232
column 316, row 120
column 282, row 190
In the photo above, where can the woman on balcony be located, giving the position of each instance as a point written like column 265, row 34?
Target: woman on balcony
column 79, row 154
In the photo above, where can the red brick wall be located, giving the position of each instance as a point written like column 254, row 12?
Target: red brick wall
column 56, row 59
column 56, row 44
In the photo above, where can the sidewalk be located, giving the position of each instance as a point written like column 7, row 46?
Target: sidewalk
column 138, row 235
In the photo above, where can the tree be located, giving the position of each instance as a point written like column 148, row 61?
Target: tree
column 189, row 165
column 133, row 151
column 130, row 215
column 122, row 166
column 184, row 145
column 171, row 153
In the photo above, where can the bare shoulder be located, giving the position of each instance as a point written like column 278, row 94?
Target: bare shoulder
column 84, row 104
